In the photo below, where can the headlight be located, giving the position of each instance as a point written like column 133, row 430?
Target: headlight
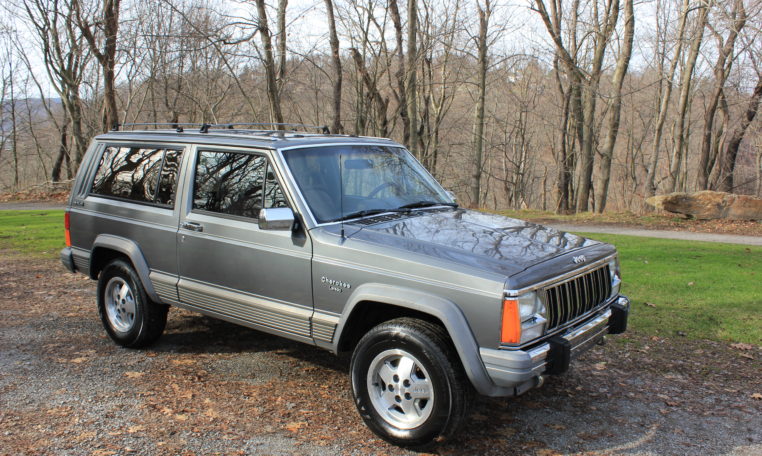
column 616, row 278
column 523, row 318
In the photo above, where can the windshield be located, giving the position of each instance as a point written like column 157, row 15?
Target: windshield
column 372, row 179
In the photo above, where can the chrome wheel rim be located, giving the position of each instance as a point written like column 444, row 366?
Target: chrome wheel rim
column 400, row 389
column 120, row 304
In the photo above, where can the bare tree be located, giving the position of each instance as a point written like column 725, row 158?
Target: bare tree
column 482, row 44
column 273, row 92
column 107, row 27
column 722, row 67
column 411, row 84
column 65, row 56
column 665, row 92
column 623, row 62
column 336, row 126
column 686, row 79
column 585, row 81
column 726, row 182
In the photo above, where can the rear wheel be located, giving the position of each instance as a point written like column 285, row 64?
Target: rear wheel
column 130, row 318
column 408, row 383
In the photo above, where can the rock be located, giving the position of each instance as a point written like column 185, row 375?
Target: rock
column 710, row 205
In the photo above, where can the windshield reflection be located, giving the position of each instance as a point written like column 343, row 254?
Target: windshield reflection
column 343, row 182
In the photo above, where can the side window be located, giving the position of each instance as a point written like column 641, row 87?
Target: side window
column 273, row 191
column 140, row 174
column 229, row 183
column 129, row 172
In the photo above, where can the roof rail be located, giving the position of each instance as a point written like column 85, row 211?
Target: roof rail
column 204, row 127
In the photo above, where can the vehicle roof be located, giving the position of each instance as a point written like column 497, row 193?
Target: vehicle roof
column 244, row 138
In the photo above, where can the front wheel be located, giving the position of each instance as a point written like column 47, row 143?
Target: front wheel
column 127, row 314
column 408, row 383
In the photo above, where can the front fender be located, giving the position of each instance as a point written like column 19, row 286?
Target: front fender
column 445, row 311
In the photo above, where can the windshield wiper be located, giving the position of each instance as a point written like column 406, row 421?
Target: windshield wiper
column 365, row 213
column 426, row 203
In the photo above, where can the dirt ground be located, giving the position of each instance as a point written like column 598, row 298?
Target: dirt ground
column 208, row 387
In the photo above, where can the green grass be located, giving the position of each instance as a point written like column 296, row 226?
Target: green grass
column 703, row 290
column 700, row 289
column 39, row 233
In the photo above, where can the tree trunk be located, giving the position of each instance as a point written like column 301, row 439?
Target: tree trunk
column 564, row 162
column 336, row 126
column 721, row 71
column 379, row 102
column 728, row 163
column 63, row 152
column 603, row 33
column 686, row 78
column 478, row 157
column 664, row 102
column 273, row 94
column 105, row 57
column 623, row 63
column 282, row 5
column 14, row 127
column 411, row 89
column 400, row 74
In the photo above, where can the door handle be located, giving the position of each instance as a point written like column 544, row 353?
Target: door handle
column 192, row 226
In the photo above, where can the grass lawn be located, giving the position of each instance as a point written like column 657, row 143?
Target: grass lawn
column 700, row 289
column 39, row 233
column 703, row 290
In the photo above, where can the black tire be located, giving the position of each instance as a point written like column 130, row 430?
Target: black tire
column 429, row 345
column 131, row 319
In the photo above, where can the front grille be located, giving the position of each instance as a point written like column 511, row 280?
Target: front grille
column 569, row 300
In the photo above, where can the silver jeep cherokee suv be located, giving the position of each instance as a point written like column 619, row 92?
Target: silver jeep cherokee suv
column 346, row 243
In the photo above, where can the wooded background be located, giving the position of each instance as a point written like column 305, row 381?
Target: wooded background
column 562, row 105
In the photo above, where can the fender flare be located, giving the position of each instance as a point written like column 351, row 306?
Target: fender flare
column 132, row 251
column 445, row 310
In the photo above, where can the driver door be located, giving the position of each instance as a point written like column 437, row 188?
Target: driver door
column 229, row 267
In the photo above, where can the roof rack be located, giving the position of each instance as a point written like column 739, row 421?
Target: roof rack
column 204, row 127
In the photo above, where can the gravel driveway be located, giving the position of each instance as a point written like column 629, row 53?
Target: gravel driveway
column 210, row 387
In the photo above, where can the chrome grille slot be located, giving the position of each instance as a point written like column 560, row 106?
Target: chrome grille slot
column 577, row 296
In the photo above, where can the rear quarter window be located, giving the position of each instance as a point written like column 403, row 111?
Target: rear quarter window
column 140, row 174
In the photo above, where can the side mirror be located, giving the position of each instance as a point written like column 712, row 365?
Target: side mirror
column 276, row 218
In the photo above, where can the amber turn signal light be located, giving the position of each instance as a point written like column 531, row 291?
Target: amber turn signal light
column 511, row 330
column 67, row 231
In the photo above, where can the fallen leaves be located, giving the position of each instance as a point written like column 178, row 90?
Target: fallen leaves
column 742, row 346
column 649, row 304
column 296, row 426
column 78, row 360
column 756, row 396
column 132, row 374
column 135, row 429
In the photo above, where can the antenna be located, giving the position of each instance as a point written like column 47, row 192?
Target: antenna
column 341, row 195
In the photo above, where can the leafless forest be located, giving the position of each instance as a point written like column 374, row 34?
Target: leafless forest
column 561, row 105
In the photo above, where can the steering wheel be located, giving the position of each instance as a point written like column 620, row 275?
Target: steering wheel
column 383, row 186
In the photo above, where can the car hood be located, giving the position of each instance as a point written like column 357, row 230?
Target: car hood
column 499, row 244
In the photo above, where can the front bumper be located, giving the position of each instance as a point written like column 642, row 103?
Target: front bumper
column 517, row 371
